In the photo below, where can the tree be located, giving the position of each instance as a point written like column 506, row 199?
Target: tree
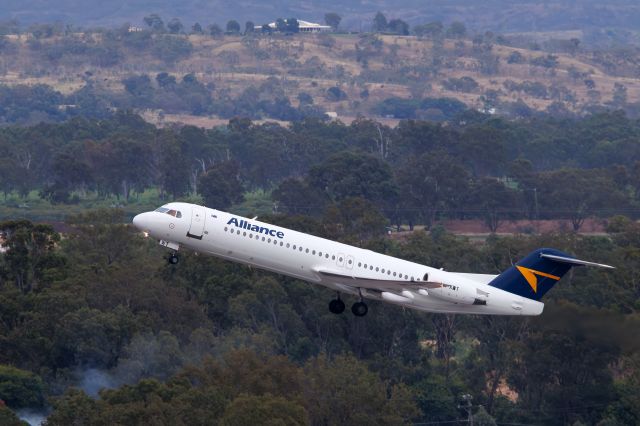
column 233, row 27
column 398, row 26
column 220, row 186
column 432, row 29
column 266, row 410
column 175, row 26
column 379, row 23
column 494, row 200
column 154, row 22
column 249, row 28
column 197, row 28
column 139, row 86
column 348, row 174
column 332, row 19
column 215, row 30
column 30, row 259
column 281, row 25
column 619, row 95
column 332, row 387
column 336, row 94
column 165, row 80
column 19, row 388
column 354, row 219
column 293, row 26
column 432, row 184
column 456, row 30
column 295, row 196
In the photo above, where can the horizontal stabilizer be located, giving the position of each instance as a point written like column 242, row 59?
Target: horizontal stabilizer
column 576, row 262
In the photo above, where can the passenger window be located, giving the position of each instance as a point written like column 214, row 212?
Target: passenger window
column 377, row 269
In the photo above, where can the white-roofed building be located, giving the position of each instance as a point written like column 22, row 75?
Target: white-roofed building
column 303, row 26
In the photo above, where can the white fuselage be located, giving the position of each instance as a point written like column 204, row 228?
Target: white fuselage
column 338, row 266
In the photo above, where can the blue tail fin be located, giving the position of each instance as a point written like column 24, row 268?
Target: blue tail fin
column 533, row 276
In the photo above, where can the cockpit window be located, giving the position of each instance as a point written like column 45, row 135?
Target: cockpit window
column 174, row 213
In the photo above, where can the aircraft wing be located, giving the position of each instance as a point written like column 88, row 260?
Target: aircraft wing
column 375, row 284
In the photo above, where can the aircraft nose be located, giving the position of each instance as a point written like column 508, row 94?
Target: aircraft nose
column 141, row 221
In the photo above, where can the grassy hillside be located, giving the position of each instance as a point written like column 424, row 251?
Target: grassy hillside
column 349, row 74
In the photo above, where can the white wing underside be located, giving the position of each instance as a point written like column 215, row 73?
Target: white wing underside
column 394, row 286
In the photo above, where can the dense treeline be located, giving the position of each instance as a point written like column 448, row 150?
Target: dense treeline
column 477, row 166
column 210, row 342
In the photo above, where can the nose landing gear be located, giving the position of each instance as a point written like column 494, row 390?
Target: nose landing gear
column 173, row 259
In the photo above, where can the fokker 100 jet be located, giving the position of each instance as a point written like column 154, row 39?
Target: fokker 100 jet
column 351, row 270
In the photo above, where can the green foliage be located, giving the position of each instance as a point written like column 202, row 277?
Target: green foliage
column 220, row 185
column 379, row 23
column 19, row 388
column 332, row 19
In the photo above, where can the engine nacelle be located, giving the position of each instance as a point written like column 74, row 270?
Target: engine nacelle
column 456, row 293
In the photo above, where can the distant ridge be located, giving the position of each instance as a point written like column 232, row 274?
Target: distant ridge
column 494, row 15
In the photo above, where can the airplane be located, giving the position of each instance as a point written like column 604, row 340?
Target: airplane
column 356, row 271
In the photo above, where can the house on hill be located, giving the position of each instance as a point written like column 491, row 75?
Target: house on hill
column 303, row 27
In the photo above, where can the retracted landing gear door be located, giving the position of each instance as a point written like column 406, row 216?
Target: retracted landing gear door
column 197, row 223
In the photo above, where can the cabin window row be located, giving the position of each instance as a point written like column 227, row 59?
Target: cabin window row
column 319, row 253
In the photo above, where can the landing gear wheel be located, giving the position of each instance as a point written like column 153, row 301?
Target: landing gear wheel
column 336, row 306
column 173, row 259
column 359, row 309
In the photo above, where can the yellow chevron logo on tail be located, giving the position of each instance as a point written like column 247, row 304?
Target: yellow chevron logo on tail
column 532, row 279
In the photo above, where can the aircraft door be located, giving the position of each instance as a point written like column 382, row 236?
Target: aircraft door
column 197, row 223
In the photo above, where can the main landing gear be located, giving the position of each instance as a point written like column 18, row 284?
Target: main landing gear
column 173, row 258
column 336, row 306
column 359, row 309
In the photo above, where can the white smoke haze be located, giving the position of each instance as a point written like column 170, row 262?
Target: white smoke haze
column 33, row 417
column 93, row 380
